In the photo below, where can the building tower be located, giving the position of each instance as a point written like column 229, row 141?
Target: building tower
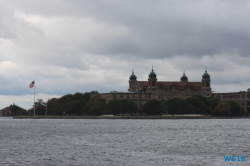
column 132, row 80
column 152, row 80
column 184, row 78
column 206, row 81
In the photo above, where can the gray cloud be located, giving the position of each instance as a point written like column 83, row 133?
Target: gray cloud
column 163, row 29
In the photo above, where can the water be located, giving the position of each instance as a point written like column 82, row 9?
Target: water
column 123, row 142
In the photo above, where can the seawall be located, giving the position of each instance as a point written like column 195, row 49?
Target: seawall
column 129, row 117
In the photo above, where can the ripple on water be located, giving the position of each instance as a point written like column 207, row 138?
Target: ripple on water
column 122, row 142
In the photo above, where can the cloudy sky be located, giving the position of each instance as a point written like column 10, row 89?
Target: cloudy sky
column 70, row 46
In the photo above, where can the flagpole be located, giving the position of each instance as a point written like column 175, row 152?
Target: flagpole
column 34, row 99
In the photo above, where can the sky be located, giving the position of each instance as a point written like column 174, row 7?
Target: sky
column 70, row 46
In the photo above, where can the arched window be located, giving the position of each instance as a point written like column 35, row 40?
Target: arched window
column 153, row 83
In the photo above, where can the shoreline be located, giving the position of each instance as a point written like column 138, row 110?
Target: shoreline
column 131, row 117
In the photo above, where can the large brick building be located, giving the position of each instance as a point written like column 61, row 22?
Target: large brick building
column 141, row 91
column 169, row 89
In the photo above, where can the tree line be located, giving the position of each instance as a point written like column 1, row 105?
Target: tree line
column 91, row 103
column 193, row 105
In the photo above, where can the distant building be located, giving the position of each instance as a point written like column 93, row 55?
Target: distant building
column 138, row 98
column 170, row 89
column 31, row 111
column 8, row 112
column 141, row 91
column 242, row 97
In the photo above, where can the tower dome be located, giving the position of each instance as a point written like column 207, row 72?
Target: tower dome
column 206, row 86
column 184, row 77
column 152, row 80
column 133, row 76
column 205, row 75
column 152, row 74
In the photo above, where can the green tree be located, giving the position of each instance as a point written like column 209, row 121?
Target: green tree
column 40, row 107
column 94, row 92
column 130, row 106
column 95, row 106
column 79, row 96
column 51, row 106
column 68, row 104
column 120, row 106
column 235, row 108
column 213, row 102
column 74, row 107
column 200, row 104
column 60, row 104
column 16, row 110
column 177, row 106
column 96, row 110
column 223, row 108
column 152, row 107
column 113, row 107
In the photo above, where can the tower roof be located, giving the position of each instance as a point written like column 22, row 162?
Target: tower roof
column 133, row 76
column 152, row 74
column 184, row 77
column 205, row 75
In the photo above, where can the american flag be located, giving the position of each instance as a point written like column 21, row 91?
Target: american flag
column 32, row 84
